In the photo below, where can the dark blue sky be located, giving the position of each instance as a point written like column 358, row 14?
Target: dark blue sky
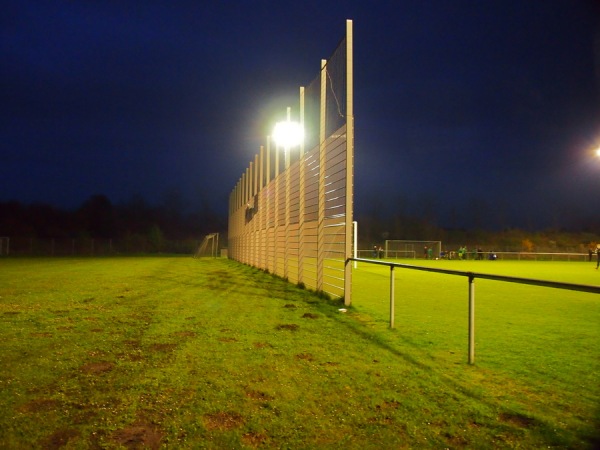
column 459, row 105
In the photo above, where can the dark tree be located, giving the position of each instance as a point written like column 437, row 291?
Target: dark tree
column 96, row 216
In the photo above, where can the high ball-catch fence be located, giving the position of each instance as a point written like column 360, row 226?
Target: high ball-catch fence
column 296, row 221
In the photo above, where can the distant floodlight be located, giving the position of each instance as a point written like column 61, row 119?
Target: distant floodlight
column 288, row 134
column 598, row 153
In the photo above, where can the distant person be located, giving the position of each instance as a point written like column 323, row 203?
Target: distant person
column 597, row 256
column 425, row 252
column 479, row 253
column 590, row 253
column 380, row 252
column 429, row 253
column 374, row 251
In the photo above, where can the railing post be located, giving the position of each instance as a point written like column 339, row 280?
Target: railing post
column 392, row 313
column 471, row 319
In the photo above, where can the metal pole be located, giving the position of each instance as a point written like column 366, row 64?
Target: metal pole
column 322, row 178
column 471, row 319
column 349, row 161
column 268, row 203
column 301, row 199
column 286, row 150
column 355, row 229
column 392, row 308
column 277, row 183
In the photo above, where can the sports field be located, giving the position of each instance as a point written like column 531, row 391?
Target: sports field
column 204, row 353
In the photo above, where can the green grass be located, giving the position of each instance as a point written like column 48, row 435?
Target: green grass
column 188, row 353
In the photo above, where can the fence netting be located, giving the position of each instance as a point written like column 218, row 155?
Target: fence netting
column 292, row 215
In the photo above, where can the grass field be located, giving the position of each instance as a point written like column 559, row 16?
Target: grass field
column 202, row 353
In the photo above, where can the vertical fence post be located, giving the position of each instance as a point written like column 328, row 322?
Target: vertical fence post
column 322, row 178
column 392, row 308
column 301, row 197
column 349, row 208
column 355, row 234
column 471, row 319
column 277, row 182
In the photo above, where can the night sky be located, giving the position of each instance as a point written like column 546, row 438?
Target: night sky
column 464, row 110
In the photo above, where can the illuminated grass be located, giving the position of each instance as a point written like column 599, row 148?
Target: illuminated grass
column 537, row 350
column 202, row 353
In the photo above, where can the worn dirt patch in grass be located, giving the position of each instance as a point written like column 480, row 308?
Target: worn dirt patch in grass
column 290, row 306
column 262, row 345
column 139, row 435
column 58, row 439
column 258, row 395
column 223, row 420
column 310, row 316
column 517, row 419
column 305, row 356
column 41, row 335
column 254, row 440
column 287, row 326
column 97, row 368
column 185, row 334
column 160, row 347
column 385, row 406
column 456, row 441
column 11, row 313
column 39, row 405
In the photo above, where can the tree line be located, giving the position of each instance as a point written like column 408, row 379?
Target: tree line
column 145, row 225
column 375, row 230
column 99, row 218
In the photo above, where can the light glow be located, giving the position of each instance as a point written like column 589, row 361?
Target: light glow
column 598, row 153
column 288, row 134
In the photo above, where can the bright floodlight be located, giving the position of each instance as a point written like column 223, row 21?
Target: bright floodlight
column 598, row 153
column 288, row 134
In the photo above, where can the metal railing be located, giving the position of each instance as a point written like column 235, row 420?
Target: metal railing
column 471, row 289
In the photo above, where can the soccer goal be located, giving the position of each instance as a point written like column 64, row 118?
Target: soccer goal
column 412, row 249
column 209, row 246
column 4, row 246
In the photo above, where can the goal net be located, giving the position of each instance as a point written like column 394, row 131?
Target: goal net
column 412, row 249
column 209, row 246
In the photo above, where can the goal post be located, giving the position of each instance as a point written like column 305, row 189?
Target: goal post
column 209, row 246
column 400, row 249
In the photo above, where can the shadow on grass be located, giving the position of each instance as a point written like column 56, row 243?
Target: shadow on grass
column 506, row 416
column 414, row 354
